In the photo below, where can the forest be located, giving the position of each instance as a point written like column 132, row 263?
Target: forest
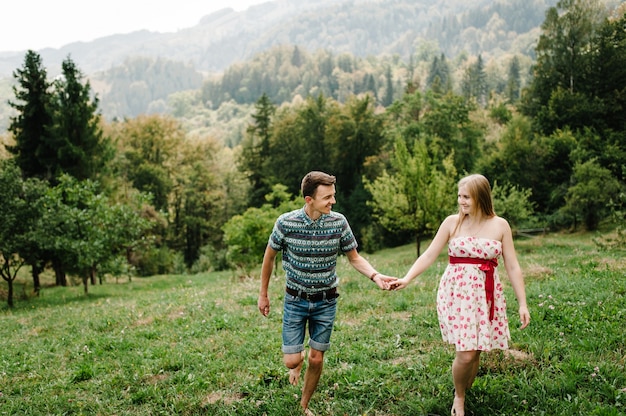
column 88, row 198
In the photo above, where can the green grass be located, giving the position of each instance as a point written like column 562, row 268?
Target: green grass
column 196, row 345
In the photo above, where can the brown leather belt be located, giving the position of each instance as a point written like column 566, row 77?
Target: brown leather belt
column 314, row 297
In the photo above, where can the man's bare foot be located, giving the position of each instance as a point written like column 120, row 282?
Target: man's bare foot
column 458, row 406
column 308, row 412
column 294, row 373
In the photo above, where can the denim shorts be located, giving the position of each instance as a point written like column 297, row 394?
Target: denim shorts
column 319, row 315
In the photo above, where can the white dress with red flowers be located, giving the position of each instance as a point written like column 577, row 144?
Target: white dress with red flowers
column 462, row 304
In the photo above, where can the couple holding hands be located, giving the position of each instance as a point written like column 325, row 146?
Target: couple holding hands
column 470, row 299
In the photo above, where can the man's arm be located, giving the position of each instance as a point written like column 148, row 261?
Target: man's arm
column 365, row 268
column 266, row 273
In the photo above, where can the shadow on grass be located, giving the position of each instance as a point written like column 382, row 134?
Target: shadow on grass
column 44, row 301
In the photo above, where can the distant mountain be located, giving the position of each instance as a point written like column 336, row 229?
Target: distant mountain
column 362, row 28
column 219, row 39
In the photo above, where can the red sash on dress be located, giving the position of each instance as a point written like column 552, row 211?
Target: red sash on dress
column 488, row 266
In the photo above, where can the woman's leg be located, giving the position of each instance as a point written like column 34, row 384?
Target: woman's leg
column 474, row 371
column 464, row 370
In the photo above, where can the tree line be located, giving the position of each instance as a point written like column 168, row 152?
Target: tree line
column 142, row 196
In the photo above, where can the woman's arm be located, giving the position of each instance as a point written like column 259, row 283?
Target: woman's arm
column 430, row 255
column 514, row 271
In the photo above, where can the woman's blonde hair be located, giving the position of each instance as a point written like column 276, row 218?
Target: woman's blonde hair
column 479, row 190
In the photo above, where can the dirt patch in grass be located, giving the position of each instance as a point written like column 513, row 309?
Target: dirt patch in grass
column 507, row 361
column 156, row 378
column 222, row 397
column 537, row 272
column 148, row 320
column 613, row 263
column 176, row 314
column 518, row 355
column 36, row 331
column 401, row 316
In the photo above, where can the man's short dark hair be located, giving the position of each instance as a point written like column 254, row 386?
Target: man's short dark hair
column 313, row 179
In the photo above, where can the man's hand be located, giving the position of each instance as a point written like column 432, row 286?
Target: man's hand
column 264, row 305
column 384, row 281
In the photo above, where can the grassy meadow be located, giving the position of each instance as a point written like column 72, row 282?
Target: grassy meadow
column 196, row 345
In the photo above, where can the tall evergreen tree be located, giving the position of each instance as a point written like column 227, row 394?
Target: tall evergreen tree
column 296, row 58
column 387, row 99
column 513, row 84
column 607, row 81
column 563, row 58
column 439, row 75
column 82, row 151
column 256, row 151
column 34, row 149
column 369, row 84
column 475, row 82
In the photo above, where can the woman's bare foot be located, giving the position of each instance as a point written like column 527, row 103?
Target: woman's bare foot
column 294, row 373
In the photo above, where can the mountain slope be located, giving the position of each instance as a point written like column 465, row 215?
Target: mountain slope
column 360, row 27
column 218, row 40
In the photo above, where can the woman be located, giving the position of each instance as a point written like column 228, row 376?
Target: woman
column 470, row 300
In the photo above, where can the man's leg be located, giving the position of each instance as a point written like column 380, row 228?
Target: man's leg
column 294, row 363
column 295, row 315
column 312, row 376
column 321, row 327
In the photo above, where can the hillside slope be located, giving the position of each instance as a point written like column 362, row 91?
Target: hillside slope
column 362, row 28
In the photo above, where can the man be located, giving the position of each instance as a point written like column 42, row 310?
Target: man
column 311, row 238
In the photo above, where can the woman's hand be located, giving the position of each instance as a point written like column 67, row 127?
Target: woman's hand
column 399, row 284
column 524, row 316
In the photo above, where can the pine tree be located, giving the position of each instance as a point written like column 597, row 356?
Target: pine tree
column 481, row 81
column 563, row 56
column 82, row 151
column 34, row 148
column 439, row 75
column 474, row 83
column 256, row 151
column 388, row 95
column 514, row 83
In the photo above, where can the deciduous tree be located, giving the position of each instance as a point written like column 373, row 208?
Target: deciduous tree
column 19, row 211
column 591, row 194
column 416, row 195
column 246, row 234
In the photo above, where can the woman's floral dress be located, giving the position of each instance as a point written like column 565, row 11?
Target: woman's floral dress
column 462, row 304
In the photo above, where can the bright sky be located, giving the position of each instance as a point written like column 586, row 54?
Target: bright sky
column 38, row 24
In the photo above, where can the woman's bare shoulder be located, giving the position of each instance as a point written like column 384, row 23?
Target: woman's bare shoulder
column 502, row 222
column 502, row 225
column 449, row 223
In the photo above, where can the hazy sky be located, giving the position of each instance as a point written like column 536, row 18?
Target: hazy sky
column 38, row 24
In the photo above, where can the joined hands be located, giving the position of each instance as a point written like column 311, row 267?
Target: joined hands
column 399, row 284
